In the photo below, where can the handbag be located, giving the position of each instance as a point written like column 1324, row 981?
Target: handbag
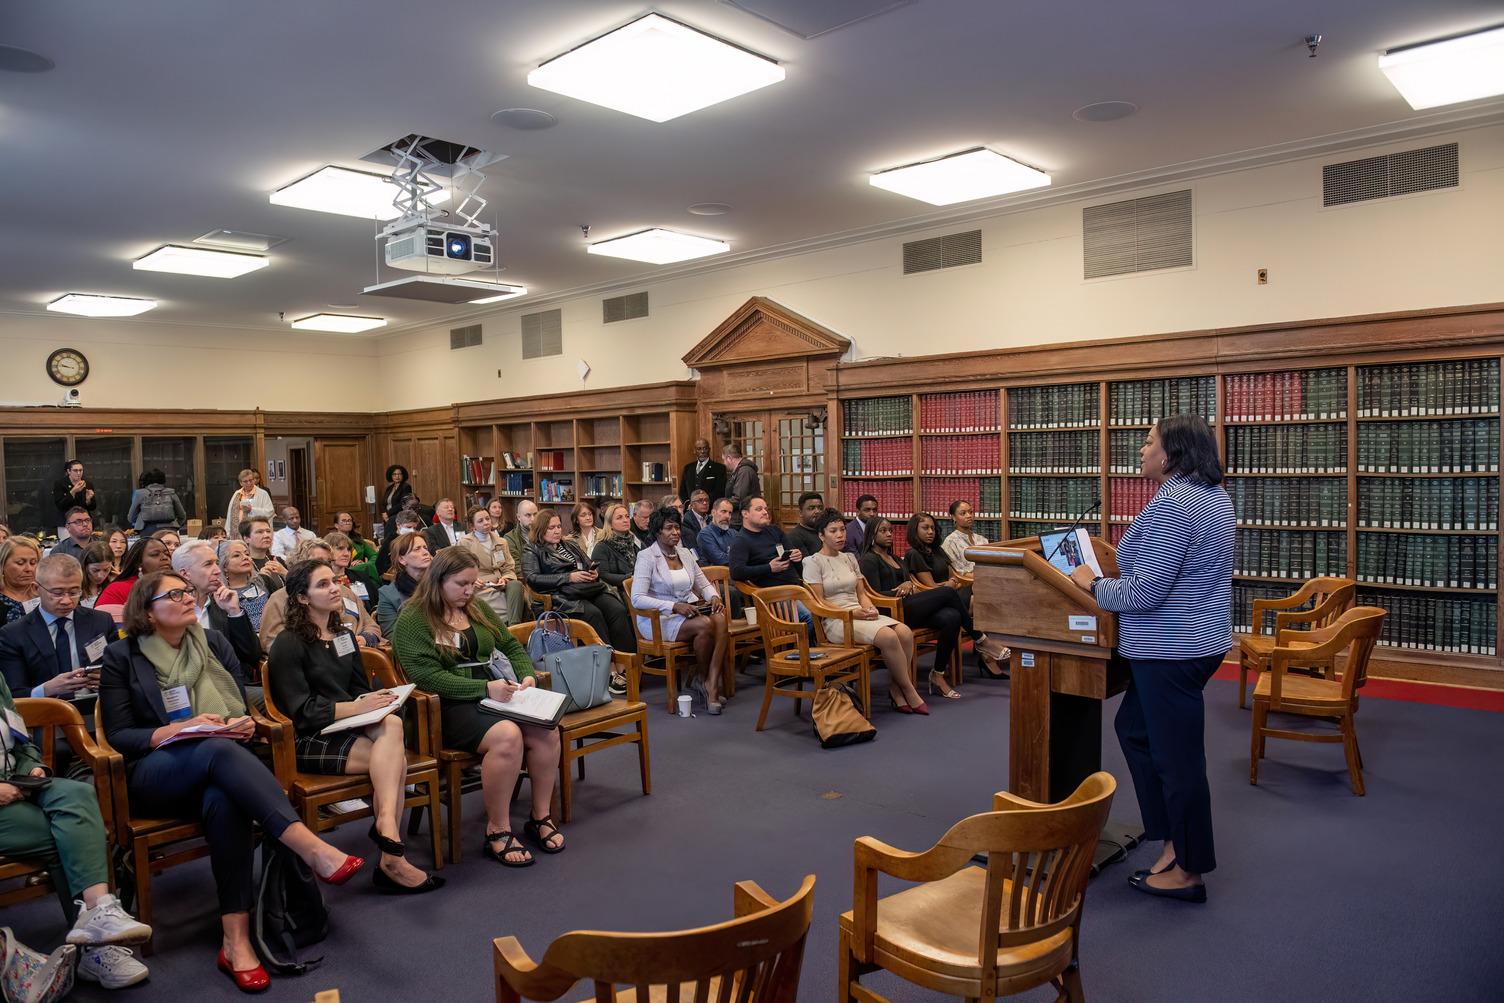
column 550, row 635
column 582, row 673
column 32, row 977
column 837, row 721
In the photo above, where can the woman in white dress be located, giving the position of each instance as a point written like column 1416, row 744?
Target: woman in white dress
column 834, row 578
column 667, row 577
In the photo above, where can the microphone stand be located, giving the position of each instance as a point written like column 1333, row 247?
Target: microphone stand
column 1073, row 527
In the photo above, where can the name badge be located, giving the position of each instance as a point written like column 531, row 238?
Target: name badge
column 176, row 701
column 31, row 604
column 95, row 648
column 254, row 592
column 359, row 588
column 352, row 609
column 17, row 725
column 344, row 644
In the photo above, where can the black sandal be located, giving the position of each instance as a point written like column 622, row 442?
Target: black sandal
column 509, row 844
column 533, row 828
column 391, row 847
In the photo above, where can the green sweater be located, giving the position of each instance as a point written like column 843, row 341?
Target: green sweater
column 435, row 670
column 25, row 756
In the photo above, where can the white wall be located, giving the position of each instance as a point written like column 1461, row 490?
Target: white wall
column 1430, row 250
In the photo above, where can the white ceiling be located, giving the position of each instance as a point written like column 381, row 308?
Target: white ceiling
column 165, row 119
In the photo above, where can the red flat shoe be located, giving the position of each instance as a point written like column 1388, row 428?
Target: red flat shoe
column 249, row 980
column 345, row 872
column 922, row 708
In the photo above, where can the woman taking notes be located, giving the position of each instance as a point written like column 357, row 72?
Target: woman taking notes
column 315, row 675
column 1173, row 598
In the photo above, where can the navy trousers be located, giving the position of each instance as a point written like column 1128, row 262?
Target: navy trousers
column 1161, row 726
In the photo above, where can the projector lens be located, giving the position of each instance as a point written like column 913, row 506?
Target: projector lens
column 458, row 246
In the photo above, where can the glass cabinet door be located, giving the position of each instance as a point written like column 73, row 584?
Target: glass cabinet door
column 107, row 468
column 31, row 468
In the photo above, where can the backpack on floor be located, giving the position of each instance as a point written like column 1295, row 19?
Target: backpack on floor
column 290, row 912
column 837, row 721
column 156, row 506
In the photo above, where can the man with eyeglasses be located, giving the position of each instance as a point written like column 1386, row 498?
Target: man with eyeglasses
column 48, row 652
column 80, row 526
column 218, row 604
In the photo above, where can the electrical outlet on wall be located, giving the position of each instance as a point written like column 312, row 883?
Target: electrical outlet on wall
column 1263, row 276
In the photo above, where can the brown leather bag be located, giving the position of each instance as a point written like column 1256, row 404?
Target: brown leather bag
column 837, row 720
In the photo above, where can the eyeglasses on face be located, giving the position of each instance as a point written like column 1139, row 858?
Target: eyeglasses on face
column 172, row 595
column 62, row 593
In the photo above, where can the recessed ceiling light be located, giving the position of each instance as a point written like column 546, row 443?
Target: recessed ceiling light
column 961, row 177
column 339, row 323
column 90, row 305
column 200, row 261
column 527, row 119
column 710, row 209
column 1464, row 68
column 348, row 193
column 659, row 247
column 1104, row 111
column 504, row 292
column 656, row 69
column 14, row 59
column 240, row 240
column 342, row 306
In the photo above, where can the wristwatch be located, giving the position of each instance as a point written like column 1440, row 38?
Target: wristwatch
column 1093, row 586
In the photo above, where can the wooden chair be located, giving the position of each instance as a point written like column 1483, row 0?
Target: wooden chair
column 743, row 638
column 56, row 719
column 1354, row 633
column 595, row 729
column 976, row 932
column 754, row 958
column 311, row 792
column 789, row 652
column 541, row 601
column 452, row 764
column 652, row 645
column 1328, row 599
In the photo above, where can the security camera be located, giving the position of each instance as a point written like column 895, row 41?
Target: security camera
column 73, row 398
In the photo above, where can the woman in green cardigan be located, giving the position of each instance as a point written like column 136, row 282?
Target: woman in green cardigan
column 442, row 630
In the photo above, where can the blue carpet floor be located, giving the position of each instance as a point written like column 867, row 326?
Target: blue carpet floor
column 1319, row 895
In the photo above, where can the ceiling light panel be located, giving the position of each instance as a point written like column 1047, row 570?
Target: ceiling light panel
column 506, row 293
column 656, row 69
column 91, row 305
column 347, row 193
column 338, row 323
column 1457, row 69
column 200, row 261
column 659, row 246
column 961, row 177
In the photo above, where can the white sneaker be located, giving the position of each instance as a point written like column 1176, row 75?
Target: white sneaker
column 107, row 923
column 112, row 967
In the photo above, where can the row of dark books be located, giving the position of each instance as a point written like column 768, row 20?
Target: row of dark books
column 1283, row 553
column 1127, row 496
column 959, row 454
column 1054, row 407
column 1460, row 624
column 989, row 529
column 655, row 473
column 984, row 494
column 551, row 490
column 895, row 499
column 878, row 416
column 1305, row 395
column 1456, row 503
column 1063, row 453
column 477, row 469
column 553, row 459
column 1436, row 562
column 516, row 484
column 1466, row 446
column 1243, row 595
column 1123, row 450
column 877, row 457
column 1289, row 501
column 1287, row 449
column 1143, row 402
column 1116, row 532
column 1461, row 386
column 1062, row 498
column 1018, row 528
column 969, row 411
column 601, row 486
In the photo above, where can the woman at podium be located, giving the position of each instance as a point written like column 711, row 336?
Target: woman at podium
column 1173, row 600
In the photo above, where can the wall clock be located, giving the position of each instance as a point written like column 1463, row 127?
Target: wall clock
column 68, row 367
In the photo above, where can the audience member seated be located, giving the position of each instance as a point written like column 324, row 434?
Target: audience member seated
column 668, row 578
column 406, row 524
column 760, row 555
column 857, row 529
column 363, row 551
column 713, row 544
column 833, row 577
column 170, row 538
column 696, row 518
column 80, row 526
column 555, row 568
column 213, row 533
column 257, row 534
column 583, row 532
column 499, row 523
column 410, row 558
column 99, row 570
column 250, row 502
column 314, row 671
column 118, row 542
column 396, row 492
column 500, row 588
column 344, row 569
column 615, row 553
column 147, row 555
column 165, row 660
column 929, row 566
column 240, row 574
column 154, row 505
column 217, row 604
column 962, row 537
column 439, row 636
column 61, row 827
column 286, row 540
column 446, row 530
column 274, row 616
column 70, row 491
column 939, row 608
column 520, row 536
column 45, row 652
column 18, row 577
column 642, row 511
column 805, row 536
column 742, row 482
column 4, row 532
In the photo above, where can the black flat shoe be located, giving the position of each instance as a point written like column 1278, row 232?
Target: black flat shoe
column 1139, row 875
column 387, row 885
column 1192, row 893
column 390, row 847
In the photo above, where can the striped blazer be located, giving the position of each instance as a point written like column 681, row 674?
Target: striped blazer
column 1173, row 595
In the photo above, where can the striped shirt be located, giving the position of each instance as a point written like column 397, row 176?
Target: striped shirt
column 1174, row 594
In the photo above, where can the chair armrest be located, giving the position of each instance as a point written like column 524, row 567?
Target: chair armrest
column 631, row 665
column 891, row 605
column 655, row 624
column 423, row 742
column 748, row 898
column 872, row 856
column 820, row 611
column 104, row 765
column 519, row 977
column 279, row 737
column 1005, row 801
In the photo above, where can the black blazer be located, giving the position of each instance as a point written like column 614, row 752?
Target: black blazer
column 307, row 680
column 391, row 498
column 438, row 539
column 239, row 632
column 130, row 699
column 63, row 498
column 28, row 657
column 712, row 480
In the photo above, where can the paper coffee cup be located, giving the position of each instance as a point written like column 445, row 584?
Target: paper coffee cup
column 751, row 614
column 686, row 704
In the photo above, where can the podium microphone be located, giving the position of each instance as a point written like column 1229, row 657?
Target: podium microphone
column 1071, row 530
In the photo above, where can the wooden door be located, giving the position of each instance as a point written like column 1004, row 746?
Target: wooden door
column 341, row 482
column 297, row 484
column 789, row 453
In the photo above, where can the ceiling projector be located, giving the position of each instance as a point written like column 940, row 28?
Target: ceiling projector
column 419, row 245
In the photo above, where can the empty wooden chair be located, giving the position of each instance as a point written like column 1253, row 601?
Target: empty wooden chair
column 754, row 958
column 976, row 932
column 652, row 645
column 791, row 657
column 1328, row 598
column 743, row 637
column 1352, row 634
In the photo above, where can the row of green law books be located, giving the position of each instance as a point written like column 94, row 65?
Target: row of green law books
column 1441, row 503
column 1271, row 553
column 1289, row 501
column 1143, row 402
column 1054, row 407
column 1467, row 446
column 1435, row 562
column 876, row 416
column 1458, row 386
column 1063, row 453
column 1058, row 498
column 1457, row 624
column 1287, row 449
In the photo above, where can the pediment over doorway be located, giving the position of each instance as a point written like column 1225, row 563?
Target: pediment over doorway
column 761, row 330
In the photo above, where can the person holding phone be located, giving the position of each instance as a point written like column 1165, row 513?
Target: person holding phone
column 667, row 577
column 552, row 566
column 49, row 652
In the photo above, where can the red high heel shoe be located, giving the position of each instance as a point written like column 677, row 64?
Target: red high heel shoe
column 248, row 980
column 921, row 708
column 345, row 872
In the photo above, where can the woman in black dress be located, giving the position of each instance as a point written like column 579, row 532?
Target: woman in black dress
column 929, row 566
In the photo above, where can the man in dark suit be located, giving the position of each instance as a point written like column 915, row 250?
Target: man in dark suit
column 446, row 530
column 45, row 652
column 703, row 474
column 218, row 604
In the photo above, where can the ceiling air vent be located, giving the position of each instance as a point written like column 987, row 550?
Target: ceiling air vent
column 1392, row 174
column 1136, row 235
column 628, row 307
column 542, row 334
column 942, row 252
column 464, row 337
